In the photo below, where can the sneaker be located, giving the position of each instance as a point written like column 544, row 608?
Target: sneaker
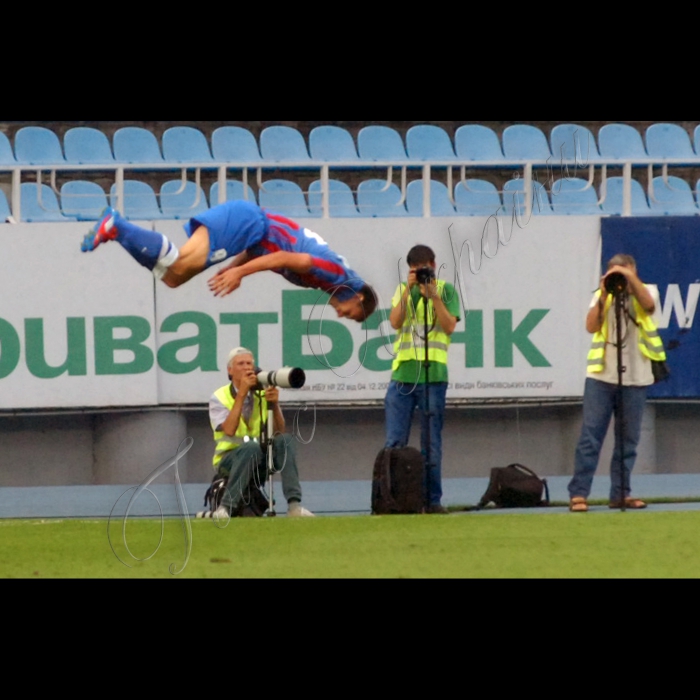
column 104, row 230
column 296, row 511
column 221, row 514
column 437, row 510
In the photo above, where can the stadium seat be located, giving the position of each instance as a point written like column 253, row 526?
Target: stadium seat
column 7, row 157
column 133, row 144
column 613, row 204
column 674, row 198
column 440, row 204
column 514, row 195
column 374, row 199
column 621, row 142
column 282, row 144
column 234, row 191
column 381, row 143
column 177, row 202
column 5, row 211
column 332, row 144
column 41, row 204
column 574, row 143
column 140, row 201
column 284, row 197
column 87, row 146
column 478, row 198
column 478, row 143
column 574, row 197
column 184, row 144
column 525, row 143
column 665, row 141
column 83, row 199
column 341, row 199
column 429, row 143
column 36, row 145
column 233, row 144
column 697, row 140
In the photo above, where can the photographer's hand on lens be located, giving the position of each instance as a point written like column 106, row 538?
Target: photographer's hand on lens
column 272, row 395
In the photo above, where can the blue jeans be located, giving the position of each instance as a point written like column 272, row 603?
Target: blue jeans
column 401, row 402
column 600, row 403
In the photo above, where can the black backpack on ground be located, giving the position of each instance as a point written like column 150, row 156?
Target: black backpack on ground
column 515, row 486
column 398, row 483
column 254, row 504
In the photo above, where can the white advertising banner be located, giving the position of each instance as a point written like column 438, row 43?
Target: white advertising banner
column 88, row 329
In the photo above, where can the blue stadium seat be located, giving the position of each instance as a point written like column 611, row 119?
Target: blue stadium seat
column 621, row 142
column 613, row 204
column 140, row 201
column 381, row 143
column 83, row 199
column 525, row 143
column 666, row 141
column 7, row 157
column 177, row 202
column 429, row 143
column 234, row 191
column 440, row 204
column 284, row 197
column 233, row 144
column 41, row 206
column 87, row 146
column 572, row 142
column 514, row 195
column 673, row 199
column 341, row 199
column 35, row 145
column 374, row 199
column 697, row 140
column 184, row 144
column 5, row 211
column 574, row 197
column 133, row 144
column 282, row 144
column 478, row 143
column 479, row 198
column 332, row 144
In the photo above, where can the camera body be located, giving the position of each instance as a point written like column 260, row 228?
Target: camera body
column 285, row 378
column 616, row 284
column 425, row 275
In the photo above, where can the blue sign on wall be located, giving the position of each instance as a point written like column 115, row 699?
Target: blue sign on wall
column 667, row 251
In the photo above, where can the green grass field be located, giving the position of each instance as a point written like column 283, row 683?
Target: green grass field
column 596, row 545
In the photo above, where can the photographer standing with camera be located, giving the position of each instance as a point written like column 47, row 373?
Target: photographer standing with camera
column 604, row 395
column 423, row 301
column 237, row 412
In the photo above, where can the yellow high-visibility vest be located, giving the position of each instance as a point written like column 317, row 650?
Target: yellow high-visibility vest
column 245, row 433
column 650, row 343
column 410, row 344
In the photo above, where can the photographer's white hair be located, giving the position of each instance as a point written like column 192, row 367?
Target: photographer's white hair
column 236, row 352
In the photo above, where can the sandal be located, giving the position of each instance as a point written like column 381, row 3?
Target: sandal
column 578, row 505
column 630, row 504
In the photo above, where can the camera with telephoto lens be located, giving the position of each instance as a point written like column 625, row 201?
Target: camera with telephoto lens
column 425, row 275
column 616, row 283
column 285, row 378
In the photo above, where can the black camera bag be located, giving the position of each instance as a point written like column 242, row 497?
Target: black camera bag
column 515, row 486
column 398, row 484
column 254, row 504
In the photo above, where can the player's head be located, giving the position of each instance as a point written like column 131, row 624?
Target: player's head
column 240, row 363
column 359, row 307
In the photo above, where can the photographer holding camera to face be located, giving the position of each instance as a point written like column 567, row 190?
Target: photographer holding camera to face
column 237, row 413
column 414, row 385
column 619, row 375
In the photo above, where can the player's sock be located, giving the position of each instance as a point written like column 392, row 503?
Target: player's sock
column 150, row 249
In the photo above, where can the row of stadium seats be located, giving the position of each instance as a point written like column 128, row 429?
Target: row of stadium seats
column 84, row 200
column 39, row 146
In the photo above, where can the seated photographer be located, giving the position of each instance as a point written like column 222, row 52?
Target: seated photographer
column 236, row 413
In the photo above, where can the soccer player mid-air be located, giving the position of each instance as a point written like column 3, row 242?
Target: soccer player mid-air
column 256, row 239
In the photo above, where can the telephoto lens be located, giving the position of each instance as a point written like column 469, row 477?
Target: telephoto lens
column 285, row 378
column 616, row 283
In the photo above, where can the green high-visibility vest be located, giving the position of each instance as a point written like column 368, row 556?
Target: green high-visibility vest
column 650, row 343
column 410, row 344
column 245, row 433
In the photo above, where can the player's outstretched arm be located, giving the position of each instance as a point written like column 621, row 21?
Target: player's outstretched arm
column 229, row 280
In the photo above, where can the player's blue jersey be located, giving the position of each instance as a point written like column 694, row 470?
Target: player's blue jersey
column 241, row 226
